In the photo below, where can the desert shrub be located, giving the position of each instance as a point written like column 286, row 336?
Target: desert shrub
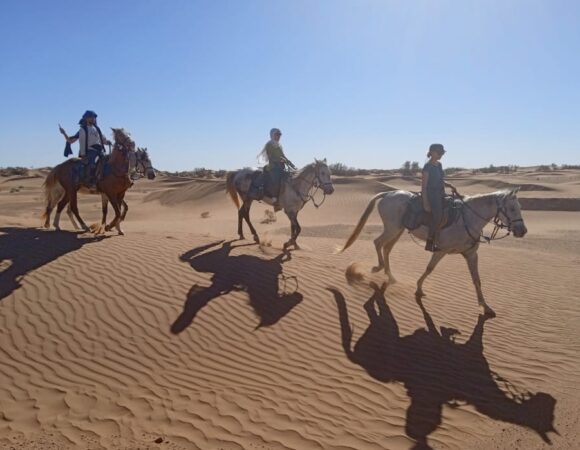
column 13, row 171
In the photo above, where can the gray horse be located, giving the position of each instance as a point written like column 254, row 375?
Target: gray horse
column 462, row 237
column 294, row 194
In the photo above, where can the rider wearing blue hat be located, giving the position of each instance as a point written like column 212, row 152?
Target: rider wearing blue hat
column 91, row 142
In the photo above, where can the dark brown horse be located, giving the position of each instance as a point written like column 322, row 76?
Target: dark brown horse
column 61, row 187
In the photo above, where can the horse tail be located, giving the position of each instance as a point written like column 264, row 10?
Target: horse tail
column 361, row 223
column 231, row 189
column 52, row 191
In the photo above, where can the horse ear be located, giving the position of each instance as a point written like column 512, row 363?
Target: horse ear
column 315, row 160
column 324, row 160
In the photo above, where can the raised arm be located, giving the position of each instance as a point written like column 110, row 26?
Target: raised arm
column 71, row 139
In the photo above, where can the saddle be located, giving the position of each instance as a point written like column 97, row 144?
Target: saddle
column 81, row 172
column 262, row 184
column 415, row 215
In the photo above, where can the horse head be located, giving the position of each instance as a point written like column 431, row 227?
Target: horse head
column 123, row 141
column 509, row 212
column 141, row 164
column 323, row 179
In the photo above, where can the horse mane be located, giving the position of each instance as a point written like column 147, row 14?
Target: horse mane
column 298, row 173
column 501, row 193
column 121, row 132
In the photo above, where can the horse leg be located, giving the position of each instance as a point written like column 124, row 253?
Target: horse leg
column 104, row 210
column 386, row 252
column 294, row 230
column 47, row 213
column 379, row 244
column 435, row 258
column 71, row 217
column 115, row 205
column 297, row 230
column 240, row 222
column 61, row 204
column 125, row 208
column 472, row 263
column 123, row 204
column 75, row 210
column 246, row 214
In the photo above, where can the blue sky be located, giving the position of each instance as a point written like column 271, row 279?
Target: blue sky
column 363, row 82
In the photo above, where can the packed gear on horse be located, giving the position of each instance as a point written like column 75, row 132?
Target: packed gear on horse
column 415, row 215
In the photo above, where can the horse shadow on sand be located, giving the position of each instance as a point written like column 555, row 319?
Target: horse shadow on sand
column 262, row 279
column 23, row 250
column 438, row 371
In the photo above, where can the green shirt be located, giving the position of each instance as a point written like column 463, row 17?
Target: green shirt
column 274, row 152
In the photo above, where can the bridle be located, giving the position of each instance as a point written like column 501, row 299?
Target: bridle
column 316, row 185
column 138, row 174
column 498, row 222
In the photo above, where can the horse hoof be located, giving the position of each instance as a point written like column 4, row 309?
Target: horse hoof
column 242, row 237
column 419, row 295
column 375, row 269
column 121, row 233
column 256, row 239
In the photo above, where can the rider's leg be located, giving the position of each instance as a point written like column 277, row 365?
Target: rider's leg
column 436, row 203
column 92, row 162
column 276, row 174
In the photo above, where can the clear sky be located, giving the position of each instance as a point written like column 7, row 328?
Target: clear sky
column 362, row 82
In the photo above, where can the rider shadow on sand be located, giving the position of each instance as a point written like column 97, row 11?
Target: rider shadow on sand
column 23, row 250
column 437, row 371
column 256, row 276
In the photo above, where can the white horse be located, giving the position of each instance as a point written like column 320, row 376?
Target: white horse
column 462, row 237
column 294, row 194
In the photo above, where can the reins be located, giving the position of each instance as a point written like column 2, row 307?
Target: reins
column 317, row 183
column 497, row 221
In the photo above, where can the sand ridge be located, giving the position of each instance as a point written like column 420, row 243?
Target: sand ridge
column 180, row 334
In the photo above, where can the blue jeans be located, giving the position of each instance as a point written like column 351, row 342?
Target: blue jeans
column 92, row 155
column 436, row 203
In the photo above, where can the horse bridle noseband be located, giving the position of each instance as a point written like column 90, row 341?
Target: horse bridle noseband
column 316, row 185
column 497, row 221
column 136, row 171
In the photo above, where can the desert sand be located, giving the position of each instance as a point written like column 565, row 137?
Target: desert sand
column 179, row 336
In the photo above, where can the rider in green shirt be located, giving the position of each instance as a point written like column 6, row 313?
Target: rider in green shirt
column 277, row 162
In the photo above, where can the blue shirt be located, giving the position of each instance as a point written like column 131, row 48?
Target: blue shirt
column 435, row 182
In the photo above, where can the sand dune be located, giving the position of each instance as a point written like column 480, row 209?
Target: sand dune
column 177, row 336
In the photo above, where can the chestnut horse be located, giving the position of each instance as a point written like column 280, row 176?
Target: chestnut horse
column 60, row 186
